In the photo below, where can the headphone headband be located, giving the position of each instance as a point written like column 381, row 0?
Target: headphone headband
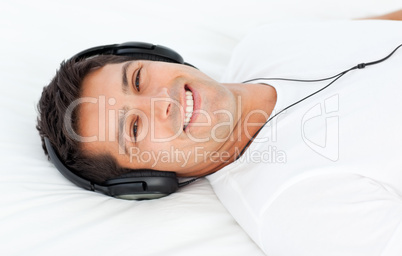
column 130, row 48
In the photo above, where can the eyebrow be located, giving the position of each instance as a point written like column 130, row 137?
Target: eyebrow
column 122, row 119
column 124, row 80
column 122, row 115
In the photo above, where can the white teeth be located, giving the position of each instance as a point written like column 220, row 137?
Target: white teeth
column 189, row 108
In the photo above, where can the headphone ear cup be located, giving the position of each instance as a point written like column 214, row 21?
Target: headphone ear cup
column 142, row 184
column 152, row 52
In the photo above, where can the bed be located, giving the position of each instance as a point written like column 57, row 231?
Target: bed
column 41, row 212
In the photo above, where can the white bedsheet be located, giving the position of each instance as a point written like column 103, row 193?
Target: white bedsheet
column 42, row 213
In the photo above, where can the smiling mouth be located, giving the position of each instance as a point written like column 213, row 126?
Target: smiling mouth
column 188, row 111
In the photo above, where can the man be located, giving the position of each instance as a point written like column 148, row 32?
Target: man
column 322, row 177
column 216, row 122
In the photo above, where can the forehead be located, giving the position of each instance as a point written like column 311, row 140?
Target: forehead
column 101, row 89
column 102, row 80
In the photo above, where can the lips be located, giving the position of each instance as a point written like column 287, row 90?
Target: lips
column 188, row 107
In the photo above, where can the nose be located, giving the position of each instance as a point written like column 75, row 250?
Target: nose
column 155, row 104
column 161, row 103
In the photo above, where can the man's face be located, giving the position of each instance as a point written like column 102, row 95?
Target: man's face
column 136, row 111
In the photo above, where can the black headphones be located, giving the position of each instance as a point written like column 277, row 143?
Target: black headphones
column 138, row 184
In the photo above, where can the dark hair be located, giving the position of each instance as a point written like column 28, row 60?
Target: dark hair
column 63, row 89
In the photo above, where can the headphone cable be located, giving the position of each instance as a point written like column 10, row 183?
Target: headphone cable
column 185, row 183
column 337, row 76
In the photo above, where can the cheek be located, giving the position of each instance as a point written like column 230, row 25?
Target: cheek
column 216, row 119
column 157, row 133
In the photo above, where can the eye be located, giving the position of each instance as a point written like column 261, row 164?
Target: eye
column 137, row 80
column 135, row 129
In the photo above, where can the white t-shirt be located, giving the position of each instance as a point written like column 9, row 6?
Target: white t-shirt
column 325, row 177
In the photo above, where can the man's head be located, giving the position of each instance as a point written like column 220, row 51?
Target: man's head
column 107, row 114
column 54, row 105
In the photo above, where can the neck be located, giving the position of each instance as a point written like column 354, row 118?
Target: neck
column 255, row 103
